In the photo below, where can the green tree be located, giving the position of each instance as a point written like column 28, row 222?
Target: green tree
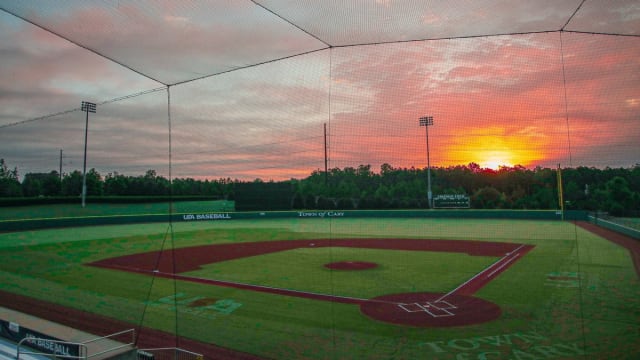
column 116, row 184
column 487, row 198
column 9, row 183
column 72, row 184
column 42, row 184
column 620, row 201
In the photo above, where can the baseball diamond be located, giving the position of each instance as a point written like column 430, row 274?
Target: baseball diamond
column 438, row 292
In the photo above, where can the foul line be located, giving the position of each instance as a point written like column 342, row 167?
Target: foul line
column 267, row 289
column 261, row 288
column 515, row 256
column 500, row 262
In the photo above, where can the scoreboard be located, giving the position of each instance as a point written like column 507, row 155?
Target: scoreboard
column 451, row 201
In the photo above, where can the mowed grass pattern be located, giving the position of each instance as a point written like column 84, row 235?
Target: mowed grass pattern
column 397, row 271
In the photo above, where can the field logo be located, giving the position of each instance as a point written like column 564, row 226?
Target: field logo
column 518, row 346
column 201, row 306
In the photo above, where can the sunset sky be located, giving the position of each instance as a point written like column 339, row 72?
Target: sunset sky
column 538, row 98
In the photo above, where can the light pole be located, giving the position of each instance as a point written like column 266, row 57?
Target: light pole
column 87, row 107
column 427, row 121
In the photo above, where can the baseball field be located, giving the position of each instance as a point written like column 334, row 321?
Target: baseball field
column 334, row 287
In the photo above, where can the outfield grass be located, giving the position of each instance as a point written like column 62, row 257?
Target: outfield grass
column 574, row 289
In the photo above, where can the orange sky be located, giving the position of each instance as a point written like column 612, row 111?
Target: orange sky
column 527, row 100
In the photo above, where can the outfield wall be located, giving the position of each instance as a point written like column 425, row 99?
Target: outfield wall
column 34, row 224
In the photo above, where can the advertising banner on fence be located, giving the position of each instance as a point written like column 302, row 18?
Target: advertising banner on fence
column 39, row 341
column 451, row 201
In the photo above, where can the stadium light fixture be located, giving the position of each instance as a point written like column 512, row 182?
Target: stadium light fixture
column 427, row 121
column 87, row 107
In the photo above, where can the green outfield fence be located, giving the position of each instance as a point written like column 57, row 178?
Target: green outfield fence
column 610, row 224
column 33, row 224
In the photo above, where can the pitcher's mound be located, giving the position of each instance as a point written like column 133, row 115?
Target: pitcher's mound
column 351, row 265
column 430, row 310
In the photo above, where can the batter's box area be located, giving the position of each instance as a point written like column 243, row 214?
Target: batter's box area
column 436, row 309
column 428, row 310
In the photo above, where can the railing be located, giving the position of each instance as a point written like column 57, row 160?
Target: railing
column 60, row 349
column 168, row 354
column 611, row 224
column 110, row 338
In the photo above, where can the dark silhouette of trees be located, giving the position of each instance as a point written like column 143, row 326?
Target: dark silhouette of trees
column 615, row 190
column 9, row 183
column 41, row 184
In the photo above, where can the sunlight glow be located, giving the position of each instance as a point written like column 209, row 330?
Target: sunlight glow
column 495, row 159
column 492, row 148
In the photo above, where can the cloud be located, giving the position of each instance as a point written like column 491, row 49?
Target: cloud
column 489, row 96
column 172, row 44
column 494, row 92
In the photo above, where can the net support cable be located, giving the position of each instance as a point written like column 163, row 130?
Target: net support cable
column 170, row 228
column 168, row 237
column 83, row 46
column 575, row 223
column 572, row 15
column 290, row 22
column 120, row 98
column 327, row 150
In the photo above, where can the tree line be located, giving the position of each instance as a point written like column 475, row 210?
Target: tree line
column 614, row 190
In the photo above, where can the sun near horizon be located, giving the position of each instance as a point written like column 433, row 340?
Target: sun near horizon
column 495, row 159
column 494, row 152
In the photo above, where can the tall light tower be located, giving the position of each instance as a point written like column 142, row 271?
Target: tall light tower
column 87, row 107
column 427, row 121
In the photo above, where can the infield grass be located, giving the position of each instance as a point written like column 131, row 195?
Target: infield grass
column 397, row 271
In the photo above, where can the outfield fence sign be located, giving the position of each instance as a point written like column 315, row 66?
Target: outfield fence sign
column 451, row 212
column 451, row 201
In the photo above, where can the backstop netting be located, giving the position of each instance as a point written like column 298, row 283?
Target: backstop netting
column 325, row 180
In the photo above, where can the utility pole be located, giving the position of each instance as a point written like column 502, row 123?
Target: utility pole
column 326, row 170
column 427, row 121
column 87, row 107
column 61, row 167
